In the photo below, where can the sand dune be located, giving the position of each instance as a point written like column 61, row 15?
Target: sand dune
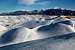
column 55, row 31
column 63, row 42
column 23, row 34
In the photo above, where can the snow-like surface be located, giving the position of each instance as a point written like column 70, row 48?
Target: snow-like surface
column 63, row 42
column 2, row 28
column 30, row 28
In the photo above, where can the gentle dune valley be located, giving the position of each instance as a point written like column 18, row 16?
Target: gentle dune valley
column 36, row 32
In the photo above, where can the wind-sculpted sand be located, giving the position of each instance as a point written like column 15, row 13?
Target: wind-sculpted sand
column 52, row 35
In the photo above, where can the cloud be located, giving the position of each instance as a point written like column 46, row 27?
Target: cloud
column 29, row 2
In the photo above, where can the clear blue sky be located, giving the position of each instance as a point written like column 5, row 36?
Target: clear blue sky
column 13, row 5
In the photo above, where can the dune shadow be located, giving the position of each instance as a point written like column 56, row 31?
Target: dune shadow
column 8, row 36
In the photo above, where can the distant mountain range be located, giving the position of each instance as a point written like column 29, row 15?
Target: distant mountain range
column 42, row 12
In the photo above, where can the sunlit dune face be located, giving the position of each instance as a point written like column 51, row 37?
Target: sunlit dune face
column 2, row 28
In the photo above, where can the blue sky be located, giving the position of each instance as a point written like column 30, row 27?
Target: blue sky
column 13, row 5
